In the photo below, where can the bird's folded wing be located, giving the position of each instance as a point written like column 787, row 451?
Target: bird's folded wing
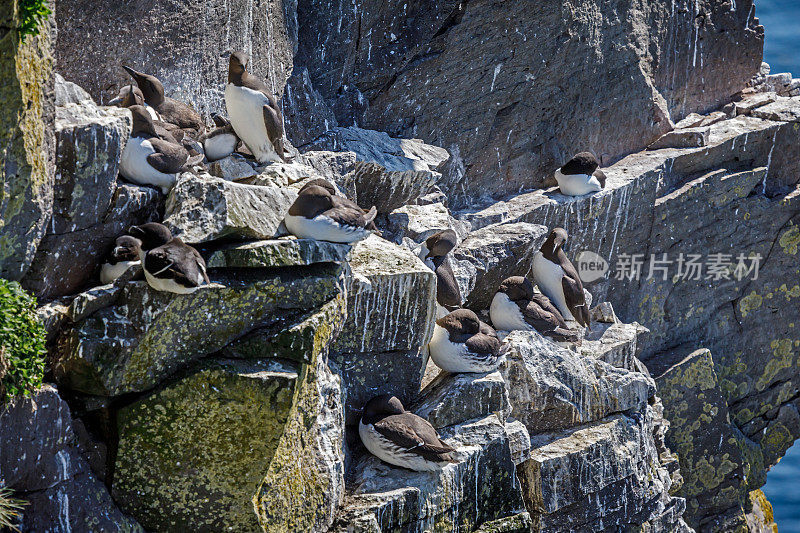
column 169, row 158
column 172, row 263
column 413, row 433
column 575, row 299
column 482, row 343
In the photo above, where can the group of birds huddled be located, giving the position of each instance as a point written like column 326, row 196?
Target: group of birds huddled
column 169, row 137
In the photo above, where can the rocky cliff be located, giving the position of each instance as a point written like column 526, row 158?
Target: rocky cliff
column 236, row 407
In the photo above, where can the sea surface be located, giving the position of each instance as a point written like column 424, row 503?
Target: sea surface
column 781, row 20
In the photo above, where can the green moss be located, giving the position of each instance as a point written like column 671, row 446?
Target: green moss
column 31, row 15
column 22, row 342
column 750, row 303
column 790, row 240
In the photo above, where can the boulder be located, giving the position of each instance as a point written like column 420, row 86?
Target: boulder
column 682, row 138
column 390, row 305
column 166, row 45
column 67, row 92
column 28, row 140
column 453, row 398
column 192, row 455
column 491, row 254
column 389, row 173
column 232, row 168
column 479, row 488
column 278, row 253
column 147, row 335
column 203, row 208
column 89, row 142
column 418, row 222
column 553, row 387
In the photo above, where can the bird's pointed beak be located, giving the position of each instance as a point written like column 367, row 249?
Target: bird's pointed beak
column 135, row 75
column 115, row 101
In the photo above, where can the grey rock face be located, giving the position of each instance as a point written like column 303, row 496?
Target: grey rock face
column 552, row 387
column 203, row 208
column 91, row 208
column 707, row 443
column 480, row 488
column 490, row 255
column 418, row 222
column 40, row 461
column 147, row 335
column 26, row 134
column 67, row 92
column 278, row 253
column 306, row 114
column 453, row 398
column 524, row 111
column 183, row 44
column 389, row 173
column 651, row 198
column 390, row 300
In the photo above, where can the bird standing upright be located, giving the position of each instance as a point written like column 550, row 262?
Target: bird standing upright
column 254, row 112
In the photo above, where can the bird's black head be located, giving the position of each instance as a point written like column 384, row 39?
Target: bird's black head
column 582, row 163
column 461, row 321
column 380, row 407
column 152, row 235
column 517, row 288
column 442, row 243
column 237, row 66
column 319, row 182
column 128, row 95
column 220, row 121
column 126, row 248
column 311, row 201
column 554, row 243
column 142, row 122
column 152, row 90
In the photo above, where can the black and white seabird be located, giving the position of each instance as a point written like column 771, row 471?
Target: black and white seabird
column 150, row 160
column 462, row 343
column 434, row 253
column 131, row 95
column 221, row 141
column 401, row 438
column 254, row 112
column 558, row 279
column 580, row 175
column 169, row 109
column 317, row 214
column 517, row 307
column 169, row 264
column 124, row 255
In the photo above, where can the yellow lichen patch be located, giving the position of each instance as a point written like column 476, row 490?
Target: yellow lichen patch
column 782, row 357
column 790, row 240
column 749, row 303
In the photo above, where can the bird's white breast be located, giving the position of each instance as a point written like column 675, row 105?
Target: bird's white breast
column 548, row 276
column 109, row 273
column 577, row 184
column 386, row 450
column 167, row 285
column 220, row 146
column 246, row 113
column 133, row 165
column 322, row 228
column 506, row 315
column 454, row 357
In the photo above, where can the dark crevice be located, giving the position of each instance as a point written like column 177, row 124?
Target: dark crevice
column 452, row 20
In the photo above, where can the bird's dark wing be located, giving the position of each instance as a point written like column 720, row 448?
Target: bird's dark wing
column 347, row 216
column 481, row 343
column 169, row 158
column 274, row 123
column 181, row 115
column 447, row 292
column 575, row 299
column 547, row 306
column 178, row 262
column 415, row 434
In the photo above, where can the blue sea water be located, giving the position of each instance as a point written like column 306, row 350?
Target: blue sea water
column 781, row 20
